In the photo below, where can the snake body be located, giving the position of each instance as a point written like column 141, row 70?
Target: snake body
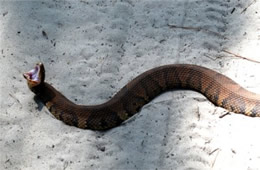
column 219, row 89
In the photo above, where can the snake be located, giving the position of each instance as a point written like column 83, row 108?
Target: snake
column 216, row 87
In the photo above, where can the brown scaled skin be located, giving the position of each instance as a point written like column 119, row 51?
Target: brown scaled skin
column 219, row 89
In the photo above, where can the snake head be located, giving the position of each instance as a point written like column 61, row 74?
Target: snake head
column 35, row 76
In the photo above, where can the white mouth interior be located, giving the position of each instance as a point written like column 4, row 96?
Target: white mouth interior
column 33, row 74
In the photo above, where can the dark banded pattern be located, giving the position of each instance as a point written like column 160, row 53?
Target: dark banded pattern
column 218, row 88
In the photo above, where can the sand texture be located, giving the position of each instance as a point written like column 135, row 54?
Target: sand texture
column 92, row 48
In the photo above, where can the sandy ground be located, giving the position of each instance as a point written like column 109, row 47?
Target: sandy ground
column 92, row 48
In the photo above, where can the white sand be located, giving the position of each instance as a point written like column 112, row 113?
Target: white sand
column 94, row 47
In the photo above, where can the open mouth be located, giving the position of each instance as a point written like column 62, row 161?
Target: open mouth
column 33, row 75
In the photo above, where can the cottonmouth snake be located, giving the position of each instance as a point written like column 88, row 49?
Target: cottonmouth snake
column 219, row 89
